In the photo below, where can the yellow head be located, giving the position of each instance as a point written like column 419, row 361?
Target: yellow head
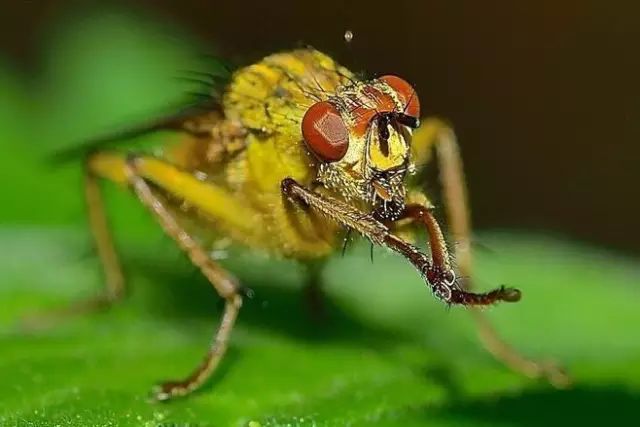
column 361, row 136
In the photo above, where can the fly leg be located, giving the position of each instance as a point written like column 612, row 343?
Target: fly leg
column 148, row 178
column 314, row 297
column 441, row 271
column 192, row 121
column 435, row 133
column 115, row 288
column 435, row 271
column 114, row 279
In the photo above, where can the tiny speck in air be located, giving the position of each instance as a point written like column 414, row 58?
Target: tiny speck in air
column 348, row 36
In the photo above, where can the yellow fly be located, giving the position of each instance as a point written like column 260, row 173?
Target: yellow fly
column 296, row 150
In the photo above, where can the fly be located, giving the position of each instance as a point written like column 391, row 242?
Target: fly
column 295, row 150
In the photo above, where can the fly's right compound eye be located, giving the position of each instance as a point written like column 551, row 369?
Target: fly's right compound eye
column 324, row 132
column 406, row 93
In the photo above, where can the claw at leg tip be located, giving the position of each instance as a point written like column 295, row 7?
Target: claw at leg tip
column 558, row 377
column 159, row 393
column 511, row 295
column 552, row 373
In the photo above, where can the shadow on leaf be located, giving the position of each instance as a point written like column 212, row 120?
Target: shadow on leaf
column 582, row 406
column 185, row 293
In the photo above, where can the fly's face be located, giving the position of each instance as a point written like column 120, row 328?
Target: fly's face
column 361, row 136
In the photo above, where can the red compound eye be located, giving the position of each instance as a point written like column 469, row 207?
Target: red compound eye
column 406, row 93
column 325, row 132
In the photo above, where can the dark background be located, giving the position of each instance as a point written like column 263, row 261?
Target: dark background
column 543, row 94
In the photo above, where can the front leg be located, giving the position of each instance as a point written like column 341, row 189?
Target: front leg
column 441, row 271
column 436, row 271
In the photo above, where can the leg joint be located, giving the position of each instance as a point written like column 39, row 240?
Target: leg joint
column 132, row 160
column 235, row 300
column 286, row 186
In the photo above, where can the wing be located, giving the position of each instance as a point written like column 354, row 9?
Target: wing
column 195, row 119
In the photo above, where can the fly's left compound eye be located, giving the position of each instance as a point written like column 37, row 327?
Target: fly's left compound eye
column 406, row 93
column 324, row 132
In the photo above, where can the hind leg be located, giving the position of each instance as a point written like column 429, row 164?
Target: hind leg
column 313, row 294
column 436, row 134
column 114, row 289
column 114, row 279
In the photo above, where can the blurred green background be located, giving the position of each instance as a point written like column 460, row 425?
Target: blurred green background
column 543, row 97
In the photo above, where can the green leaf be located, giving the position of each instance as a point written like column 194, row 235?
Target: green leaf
column 387, row 353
